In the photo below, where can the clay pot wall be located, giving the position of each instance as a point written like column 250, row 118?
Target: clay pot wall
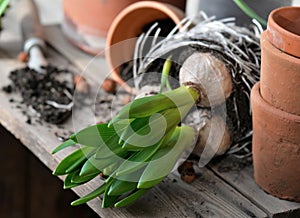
column 276, row 107
column 86, row 21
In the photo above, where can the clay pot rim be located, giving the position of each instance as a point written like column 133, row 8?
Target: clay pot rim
column 173, row 12
column 165, row 7
column 270, row 108
column 292, row 39
column 266, row 42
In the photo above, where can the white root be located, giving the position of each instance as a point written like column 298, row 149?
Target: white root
column 210, row 74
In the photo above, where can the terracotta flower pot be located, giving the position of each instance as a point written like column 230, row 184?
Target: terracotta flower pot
column 276, row 107
column 276, row 148
column 86, row 22
column 128, row 25
column 280, row 68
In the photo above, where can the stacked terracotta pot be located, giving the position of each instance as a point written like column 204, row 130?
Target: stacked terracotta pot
column 276, row 107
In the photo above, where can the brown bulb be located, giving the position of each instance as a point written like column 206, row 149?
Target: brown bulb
column 109, row 86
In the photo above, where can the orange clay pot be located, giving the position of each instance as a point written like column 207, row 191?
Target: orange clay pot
column 128, row 25
column 86, row 22
column 276, row 107
column 276, row 148
column 280, row 67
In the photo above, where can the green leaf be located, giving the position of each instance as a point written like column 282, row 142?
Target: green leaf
column 147, row 106
column 108, row 201
column 64, row 145
column 134, row 126
column 94, row 136
column 165, row 158
column 247, row 10
column 3, row 6
column 105, row 152
column 160, row 124
column 100, row 190
column 111, row 168
column 111, row 148
column 137, row 160
column 165, row 74
column 120, row 187
column 93, row 165
column 131, row 198
column 72, row 161
column 76, row 178
column 68, row 183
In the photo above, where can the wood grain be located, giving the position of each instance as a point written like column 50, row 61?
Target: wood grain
column 240, row 175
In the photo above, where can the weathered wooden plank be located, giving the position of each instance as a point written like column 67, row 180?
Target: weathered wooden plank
column 239, row 174
column 40, row 139
column 217, row 199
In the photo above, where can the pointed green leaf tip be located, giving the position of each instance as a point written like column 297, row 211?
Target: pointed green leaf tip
column 73, row 161
column 100, row 190
column 3, row 6
column 64, row 145
column 131, row 198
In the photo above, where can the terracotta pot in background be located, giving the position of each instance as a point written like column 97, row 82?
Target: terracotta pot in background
column 280, row 68
column 86, row 22
column 128, row 25
column 284, row 30
column 276, row 148
column 276, row 107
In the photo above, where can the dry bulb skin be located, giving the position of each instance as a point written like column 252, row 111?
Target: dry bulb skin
column 207, row 136
column 210, row 75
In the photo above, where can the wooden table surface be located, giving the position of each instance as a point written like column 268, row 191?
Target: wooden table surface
column 224, row 188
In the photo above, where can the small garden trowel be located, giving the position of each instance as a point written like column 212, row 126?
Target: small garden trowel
column 33, row 35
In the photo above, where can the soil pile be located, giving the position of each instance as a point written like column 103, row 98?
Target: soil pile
column 38, row 89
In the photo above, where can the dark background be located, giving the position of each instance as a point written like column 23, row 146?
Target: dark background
column 27, row 187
